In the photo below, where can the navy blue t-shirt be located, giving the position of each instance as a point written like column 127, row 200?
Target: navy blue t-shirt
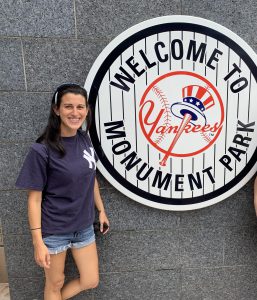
column 67, row 183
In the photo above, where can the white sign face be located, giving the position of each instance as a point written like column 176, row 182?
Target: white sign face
column 174, row 112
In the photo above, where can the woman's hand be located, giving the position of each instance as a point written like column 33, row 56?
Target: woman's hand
column 103, row 220
column 42, row 256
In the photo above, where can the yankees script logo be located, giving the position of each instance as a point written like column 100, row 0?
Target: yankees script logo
column 174, row 110
column 181, row 120
column 90, row 158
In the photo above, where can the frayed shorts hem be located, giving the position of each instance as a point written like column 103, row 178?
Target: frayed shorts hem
column 61, row 243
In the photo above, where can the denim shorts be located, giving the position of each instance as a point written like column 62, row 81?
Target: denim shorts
column 58, row 243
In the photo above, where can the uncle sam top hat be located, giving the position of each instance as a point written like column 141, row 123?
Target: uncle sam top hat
column 196, row 100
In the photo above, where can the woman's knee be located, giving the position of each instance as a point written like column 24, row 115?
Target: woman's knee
column 89, row 283
column 56, row 284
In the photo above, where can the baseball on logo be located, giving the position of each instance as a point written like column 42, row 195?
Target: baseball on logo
column 173, row 102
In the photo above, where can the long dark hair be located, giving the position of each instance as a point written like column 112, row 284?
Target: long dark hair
column 51, row 136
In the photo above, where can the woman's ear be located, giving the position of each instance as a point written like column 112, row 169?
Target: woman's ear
column 56, row 110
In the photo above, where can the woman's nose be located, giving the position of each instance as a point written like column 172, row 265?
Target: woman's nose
column 74, row 110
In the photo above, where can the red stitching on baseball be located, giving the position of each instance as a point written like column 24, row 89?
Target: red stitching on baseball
column 165, row 104
column 205, row 137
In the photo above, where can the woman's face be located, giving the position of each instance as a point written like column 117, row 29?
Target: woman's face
column 72, row 111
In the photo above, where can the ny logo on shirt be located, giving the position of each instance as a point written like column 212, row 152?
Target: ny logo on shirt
column 90, row 158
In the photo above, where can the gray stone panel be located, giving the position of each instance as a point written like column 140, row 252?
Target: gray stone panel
column 230, row 283
column 206, row 283
column 30, row 288
column 237, row 210
column 235, row 15
column 164, row 285
column 240, row 246
column 11, row 159
column 14, row 212
column 50, row 63
column 57, row 18
column 10, row 18
column 137, row 251
column 254, row 47
column 201, row 247
column 109, row 18
column 29, row 113
column 127, row 214
column 20, row 257
column 38, row 18
column 241, row 282
column 11, row 72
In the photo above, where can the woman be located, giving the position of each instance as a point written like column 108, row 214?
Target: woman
column 59, row 174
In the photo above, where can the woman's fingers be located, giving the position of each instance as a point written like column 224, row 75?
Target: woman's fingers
column 43, row 259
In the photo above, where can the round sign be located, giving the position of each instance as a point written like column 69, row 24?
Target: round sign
column 174, row 112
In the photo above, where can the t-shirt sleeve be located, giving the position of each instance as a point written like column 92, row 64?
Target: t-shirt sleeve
column 33, row 174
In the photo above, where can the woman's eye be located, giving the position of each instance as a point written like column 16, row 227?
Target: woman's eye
column 70, row 107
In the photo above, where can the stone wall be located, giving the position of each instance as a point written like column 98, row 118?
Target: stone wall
column 149, row 254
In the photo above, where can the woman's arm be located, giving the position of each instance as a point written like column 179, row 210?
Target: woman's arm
column 42, row 256
column 255, row 195
column 100, row 207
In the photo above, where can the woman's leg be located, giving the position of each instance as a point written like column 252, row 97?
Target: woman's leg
column 55, row 277
column 86, row 260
